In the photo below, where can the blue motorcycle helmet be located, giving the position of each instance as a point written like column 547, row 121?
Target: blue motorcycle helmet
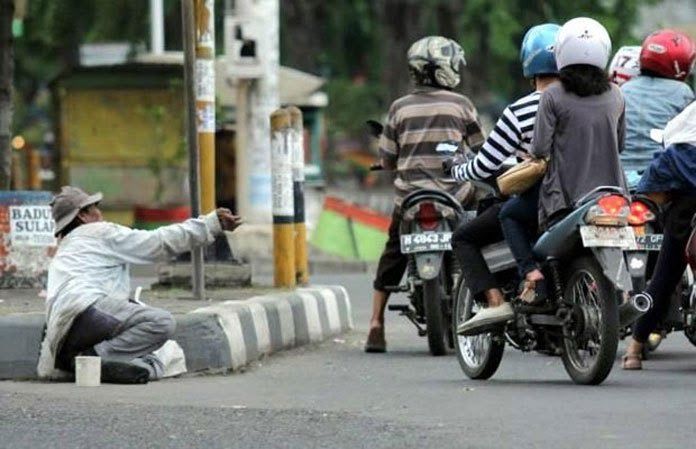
column 537, row 48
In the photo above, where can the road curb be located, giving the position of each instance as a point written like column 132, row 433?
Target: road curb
column 221, row 337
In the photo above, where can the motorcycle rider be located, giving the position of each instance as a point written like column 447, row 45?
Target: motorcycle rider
column 672, row 171
column 656, row 95
column 580, row 128
column 511, row 137
column 423, row 128
column 88, row 310
column 625, row 64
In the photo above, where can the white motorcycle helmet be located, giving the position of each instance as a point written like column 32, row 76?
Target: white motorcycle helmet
column 583, row 41
column 625, row 64
column 437, row 57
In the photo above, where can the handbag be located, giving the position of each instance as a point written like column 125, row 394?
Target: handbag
column 522, row 176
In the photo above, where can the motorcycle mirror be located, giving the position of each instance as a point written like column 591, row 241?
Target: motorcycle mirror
column 375, row 128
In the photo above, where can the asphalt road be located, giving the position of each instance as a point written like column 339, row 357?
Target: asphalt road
column 335, row 396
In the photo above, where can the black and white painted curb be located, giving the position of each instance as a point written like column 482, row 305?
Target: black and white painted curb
column 240, row 332
column 223, row 337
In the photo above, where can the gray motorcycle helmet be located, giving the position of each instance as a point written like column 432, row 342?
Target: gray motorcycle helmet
column 436, row 60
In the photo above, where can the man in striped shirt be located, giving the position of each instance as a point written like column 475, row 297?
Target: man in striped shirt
column 423, row 129
column 511, row 137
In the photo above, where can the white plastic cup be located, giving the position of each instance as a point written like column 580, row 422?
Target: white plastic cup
column 87, row 371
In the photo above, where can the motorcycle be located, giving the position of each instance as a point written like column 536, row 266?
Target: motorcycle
column 681, row 315
column 428, row 219
column 588, row 282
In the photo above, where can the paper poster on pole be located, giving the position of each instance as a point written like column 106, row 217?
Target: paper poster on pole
column 297, row 145
column 31, row 226
column 281, row 170
column 205, row 80
column 205, row 118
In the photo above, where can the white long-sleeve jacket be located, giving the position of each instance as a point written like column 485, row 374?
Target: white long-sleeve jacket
column 92, row 262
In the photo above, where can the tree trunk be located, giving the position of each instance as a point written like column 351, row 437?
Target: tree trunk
column 6, row 70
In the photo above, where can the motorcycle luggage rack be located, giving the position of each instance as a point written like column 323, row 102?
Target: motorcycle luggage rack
column 408, row 312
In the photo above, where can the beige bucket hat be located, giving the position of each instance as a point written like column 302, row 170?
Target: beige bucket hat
column 68, row 203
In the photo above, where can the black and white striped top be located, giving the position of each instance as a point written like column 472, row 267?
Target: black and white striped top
column 512, row 136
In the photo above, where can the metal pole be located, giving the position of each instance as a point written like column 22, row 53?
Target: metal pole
column 298, row 179
column 283, row 208
column 205, row 99
column 189, row 30
column 156, row 26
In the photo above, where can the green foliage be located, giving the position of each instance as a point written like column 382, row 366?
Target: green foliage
column 366, row 39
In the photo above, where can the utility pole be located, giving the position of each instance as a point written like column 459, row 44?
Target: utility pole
column 6, row 70
column 205, row 99
column 252, row 54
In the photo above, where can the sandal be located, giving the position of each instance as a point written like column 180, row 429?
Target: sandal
column 376, row 343
column 533, row 293
column 631, row 362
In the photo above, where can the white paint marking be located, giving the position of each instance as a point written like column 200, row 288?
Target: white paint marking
column 332, row 312
column 263, row 333
column 312, row 314
column 232, row 327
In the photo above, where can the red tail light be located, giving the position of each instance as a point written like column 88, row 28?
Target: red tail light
column 610, row 210
column 640, row 214
column 612, row 204
column 428, row 217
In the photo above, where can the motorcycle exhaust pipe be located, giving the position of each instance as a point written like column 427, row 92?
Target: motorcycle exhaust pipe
column 632, row 309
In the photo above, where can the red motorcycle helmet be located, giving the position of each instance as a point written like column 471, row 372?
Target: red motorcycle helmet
column 668, row 53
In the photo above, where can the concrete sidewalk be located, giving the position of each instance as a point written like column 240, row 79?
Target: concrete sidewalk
column 234, row 328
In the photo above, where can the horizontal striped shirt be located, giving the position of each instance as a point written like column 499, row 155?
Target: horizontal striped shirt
column 512, row 136
column 423, row 130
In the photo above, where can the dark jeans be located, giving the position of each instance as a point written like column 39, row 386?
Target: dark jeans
column 519, row 221
column 88, row 329
column 670, row 265
column 467, row 241
column 392, row 264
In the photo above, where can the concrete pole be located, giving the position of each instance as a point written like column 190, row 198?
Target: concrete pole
column 283, row 207
column 298, row 180
column 157, row 26
column 259, row 98
column 189, row 31
column 205, row 99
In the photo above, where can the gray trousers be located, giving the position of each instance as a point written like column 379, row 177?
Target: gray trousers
column 119, row 330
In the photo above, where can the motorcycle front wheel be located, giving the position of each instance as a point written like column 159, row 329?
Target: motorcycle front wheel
column 479, row 355
column 591, row 341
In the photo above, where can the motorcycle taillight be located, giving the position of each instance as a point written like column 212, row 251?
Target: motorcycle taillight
column 610, row 210
column 640, row 214
column 428, row 217
column 612, row 204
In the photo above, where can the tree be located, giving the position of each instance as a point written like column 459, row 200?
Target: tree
column 360, row 45
column 6, row 70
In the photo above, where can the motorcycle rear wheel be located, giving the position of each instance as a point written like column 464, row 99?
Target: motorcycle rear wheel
column 435, row 319
column 589, row 352
column 480, row 355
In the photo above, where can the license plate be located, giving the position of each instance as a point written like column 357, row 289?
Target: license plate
column 649, row 242
column 426, row 242
column 607, row 236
